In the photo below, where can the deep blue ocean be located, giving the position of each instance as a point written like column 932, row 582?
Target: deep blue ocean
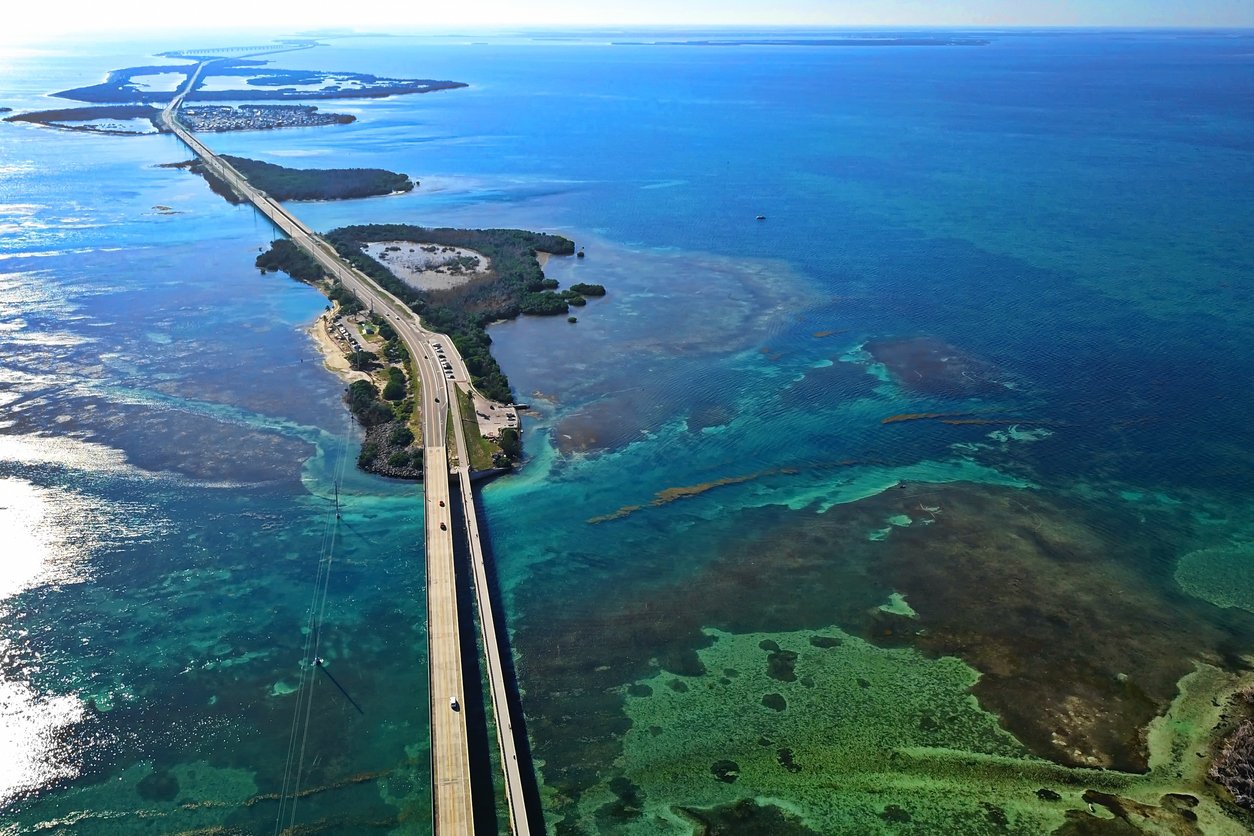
column 920, row 505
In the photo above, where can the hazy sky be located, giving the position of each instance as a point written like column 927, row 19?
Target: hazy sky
column 33, row 20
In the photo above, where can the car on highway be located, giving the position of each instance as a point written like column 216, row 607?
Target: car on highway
column 453, row 704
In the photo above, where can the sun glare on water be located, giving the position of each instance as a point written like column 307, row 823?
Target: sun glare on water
column 37, row 549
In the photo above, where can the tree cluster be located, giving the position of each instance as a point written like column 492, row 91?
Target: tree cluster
column 283, row 183
column 395, row 388
column 363, row 401
column 515, row 285
column 285, row 256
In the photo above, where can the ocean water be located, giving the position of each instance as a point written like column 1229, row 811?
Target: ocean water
column 737, row 595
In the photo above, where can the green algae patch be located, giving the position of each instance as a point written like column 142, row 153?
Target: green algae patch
column 897, row 606
column 886, row 739
column 830, row 748
column 1223, row 576
column 282, row 688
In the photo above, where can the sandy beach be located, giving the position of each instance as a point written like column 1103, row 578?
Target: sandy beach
column 332, row 355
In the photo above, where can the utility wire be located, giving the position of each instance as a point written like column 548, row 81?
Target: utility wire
column 294, row 766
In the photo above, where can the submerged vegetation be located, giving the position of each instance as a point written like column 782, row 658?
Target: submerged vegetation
column 283, row 183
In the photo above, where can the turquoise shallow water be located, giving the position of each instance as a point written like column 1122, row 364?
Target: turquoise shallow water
column 1040, row 242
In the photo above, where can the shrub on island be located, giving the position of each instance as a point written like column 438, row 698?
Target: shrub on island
column 285, row 256
column 395, row 388
column 283, row 183
column 515, row 274
column 545, row 303
column 363, row 401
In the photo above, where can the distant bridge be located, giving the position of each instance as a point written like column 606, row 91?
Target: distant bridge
column 280, row 46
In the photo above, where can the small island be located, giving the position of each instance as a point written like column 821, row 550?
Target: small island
column 116, row 120
column 222, row 118
column 146, row 119
column 498, row 276
column 242, row 79
column 364, row 348
column 283, row 183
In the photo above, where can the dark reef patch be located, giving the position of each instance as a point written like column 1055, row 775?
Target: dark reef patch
column 895, row 815
column 928, row 366
column 784, row 758
column 745, row 818
column 780, row 664
column 1079, row 638
column 775, row 702
column 726, row 771
column 1078, row 650
column 159, row 786
column 1233, row 765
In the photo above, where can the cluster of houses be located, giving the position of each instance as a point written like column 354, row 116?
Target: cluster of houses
column 257, row 117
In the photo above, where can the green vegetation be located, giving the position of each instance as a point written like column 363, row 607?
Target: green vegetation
column 482, row 452
column 515, row 285
column 395, row 388
column 56, row 118
column 546, row 303
column 385, row 449
column 511, row 444
column 362, row 361
column 369, row 452
column 401, row 436
column 347, row 300
column 285, row 256
column 588, row 289
column 283, row 183
column 363, row 401
column 216, row 184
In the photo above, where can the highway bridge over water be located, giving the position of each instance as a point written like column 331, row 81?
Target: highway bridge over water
column 454, row 805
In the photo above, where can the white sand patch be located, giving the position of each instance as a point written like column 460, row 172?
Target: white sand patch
column 429, row 266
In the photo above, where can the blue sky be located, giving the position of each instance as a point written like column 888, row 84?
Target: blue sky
column 33, row 21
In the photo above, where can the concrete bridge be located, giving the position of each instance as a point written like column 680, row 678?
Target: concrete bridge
column 454, row 806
